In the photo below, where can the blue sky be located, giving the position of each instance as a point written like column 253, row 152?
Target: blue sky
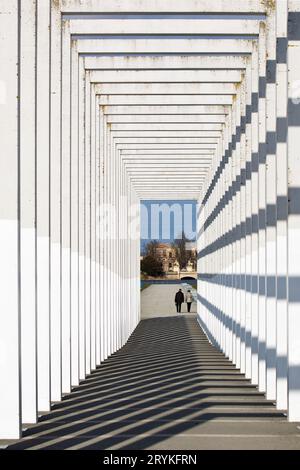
column 165, row 220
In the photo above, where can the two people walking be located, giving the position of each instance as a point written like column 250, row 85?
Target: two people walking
column 179, row 300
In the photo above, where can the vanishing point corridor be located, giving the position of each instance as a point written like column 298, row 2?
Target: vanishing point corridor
column 105, row 105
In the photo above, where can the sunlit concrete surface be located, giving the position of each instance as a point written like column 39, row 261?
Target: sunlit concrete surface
column 158, row 301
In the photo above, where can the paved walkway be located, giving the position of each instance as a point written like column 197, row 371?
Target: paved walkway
column 157, row 300
column 167, row 388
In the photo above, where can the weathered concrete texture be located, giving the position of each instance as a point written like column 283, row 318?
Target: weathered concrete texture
column 167, row 388
column 158, row 301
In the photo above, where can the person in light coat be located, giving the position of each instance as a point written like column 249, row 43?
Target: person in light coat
column 189, row 299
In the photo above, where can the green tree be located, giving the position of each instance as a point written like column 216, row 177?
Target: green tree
column 151, row 266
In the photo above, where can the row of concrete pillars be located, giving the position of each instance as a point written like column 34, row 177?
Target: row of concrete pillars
column 104, row 105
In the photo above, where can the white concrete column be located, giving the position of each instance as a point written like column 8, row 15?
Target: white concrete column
column 137, row 234
column 254, row 213
column 220, row 252
column 109, row 248
column 81, row 220
column 233, row 225
column 271, row 208
column 262, row 213
column 66, row 210
column 112, row 241
column 114, row 215
column 93, row 227
column 10, row 327
column 232, row 214
column 237, row 211
column 122, row 234
column 215, row 260
column 282, row 206
column 127, row 262
column 101, row 232
column 229, row 303
column 118, row 249
column 74, row 236
column 243, row 228
column 116, row 158
column 124, row 252
column 88, row 175
column 43, row 204
column 201, row 262
column 28, row 210
column 98, row 240
column 293, row 214
column 55, row 205
column 107, row 216
column 248, row 224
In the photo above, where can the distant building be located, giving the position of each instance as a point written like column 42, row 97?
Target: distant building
column 166, row 254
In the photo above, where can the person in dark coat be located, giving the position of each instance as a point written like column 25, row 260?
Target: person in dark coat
column 179, row 299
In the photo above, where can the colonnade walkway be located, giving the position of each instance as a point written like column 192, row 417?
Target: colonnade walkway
column 167, row 388
column 107, row 104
